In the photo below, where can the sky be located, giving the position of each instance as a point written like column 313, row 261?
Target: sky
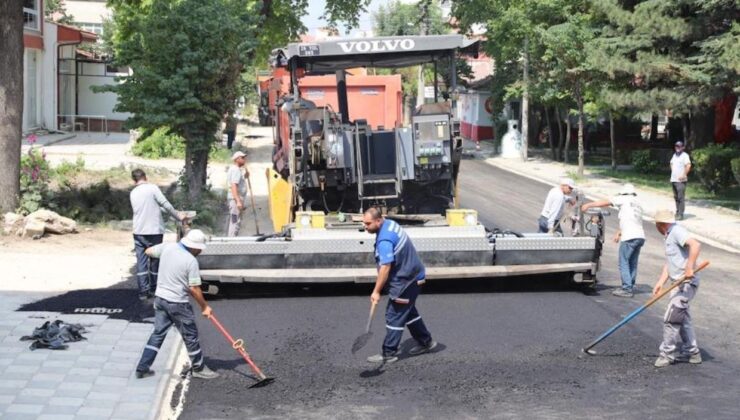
column 316, row 10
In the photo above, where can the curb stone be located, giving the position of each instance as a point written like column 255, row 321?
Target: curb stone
column 165, row 387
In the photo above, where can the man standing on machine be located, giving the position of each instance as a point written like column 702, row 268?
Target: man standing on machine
column 400, row 272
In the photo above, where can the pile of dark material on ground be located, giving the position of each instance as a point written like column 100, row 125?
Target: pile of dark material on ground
column 54, row 335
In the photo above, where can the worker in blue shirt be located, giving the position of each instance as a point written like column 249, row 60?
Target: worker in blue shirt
column 400, row 272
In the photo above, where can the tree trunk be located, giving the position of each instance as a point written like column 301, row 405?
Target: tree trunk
column 702, row 128
column 549, row 133
column 11, row 101
column 558, row 117
column 567, row 136
column 653, row 128
column 196, row 166
column 686, row 128
column 581, row 128
column 525, row 101
column 613, row 141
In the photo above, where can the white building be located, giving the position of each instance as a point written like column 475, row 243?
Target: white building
column 58, row 76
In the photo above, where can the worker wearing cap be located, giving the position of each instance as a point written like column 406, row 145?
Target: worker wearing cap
column 147, row 203
column 680, row 167
column 179, row 277
column 401, row 273
column 631, row 235
column 237, row 190
column 552, row 211
column 682, row 251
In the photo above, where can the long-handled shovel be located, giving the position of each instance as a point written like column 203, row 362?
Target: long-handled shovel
column 363, row 339
column 238, row 345
column 254, row 208
column 637, row 311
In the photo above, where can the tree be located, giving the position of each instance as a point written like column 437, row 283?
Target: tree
column 515, row 30
column 678, row 56
column 11, row 101
column 54, row 10
column 186, row 58
column 565, row 52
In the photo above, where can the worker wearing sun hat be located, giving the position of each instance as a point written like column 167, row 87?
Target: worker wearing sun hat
column 679, row 341
column 179, row 278
column 631, row 235
column 552, row 211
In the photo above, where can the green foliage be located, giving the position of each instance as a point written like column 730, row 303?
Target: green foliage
column 94, row 203
column 65, row 171
column 736, row 169
column 34, row 181
column 643, row 162
column 56, row 7
column 713, row 165
column 676, row 55
column 161, row 143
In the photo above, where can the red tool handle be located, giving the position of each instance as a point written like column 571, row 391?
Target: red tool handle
column 237, row 345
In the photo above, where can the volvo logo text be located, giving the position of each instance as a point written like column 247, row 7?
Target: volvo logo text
column 377, row 45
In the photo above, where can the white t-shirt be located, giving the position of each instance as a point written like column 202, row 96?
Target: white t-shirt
column 630, row 217
column 553, row 208
column 678, row 166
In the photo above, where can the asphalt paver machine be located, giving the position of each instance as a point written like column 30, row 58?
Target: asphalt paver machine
column 328, row 168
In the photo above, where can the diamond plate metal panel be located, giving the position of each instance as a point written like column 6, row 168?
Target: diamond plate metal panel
column 241, row 248
column 525, row 244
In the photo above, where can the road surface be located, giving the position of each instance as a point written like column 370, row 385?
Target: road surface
column 509, row 348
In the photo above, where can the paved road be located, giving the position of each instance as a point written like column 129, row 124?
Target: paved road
column 510, row 348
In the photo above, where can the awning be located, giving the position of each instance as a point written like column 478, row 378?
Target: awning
column 390, row 52
column 70, row 34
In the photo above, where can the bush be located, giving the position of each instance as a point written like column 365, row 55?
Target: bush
column 161, row 143
column 713, row 166
column 65, row 171
column 34, row 181
column 643, row 162
column 736, row 169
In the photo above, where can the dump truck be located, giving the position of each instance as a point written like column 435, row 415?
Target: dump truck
column 330, row 164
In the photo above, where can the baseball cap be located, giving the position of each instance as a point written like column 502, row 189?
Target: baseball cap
column 237, row 155
column 664, row 216
column 567, row 181
column 678, row 144
column 195, row 239
column 627, row 189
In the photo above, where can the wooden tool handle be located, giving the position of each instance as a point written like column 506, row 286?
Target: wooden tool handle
column 370, row 318
column 677, row 283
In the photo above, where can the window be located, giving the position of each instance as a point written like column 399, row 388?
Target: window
column 31, row 15
column 96, row 28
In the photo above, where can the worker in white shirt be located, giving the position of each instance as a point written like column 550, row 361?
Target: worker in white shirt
column 631, row 235
column 680, row 167
column 549, row 221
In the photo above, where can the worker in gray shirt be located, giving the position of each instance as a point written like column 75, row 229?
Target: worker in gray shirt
column 179, row 279
column 682, row 251
column 148, row 202
column 236, row 191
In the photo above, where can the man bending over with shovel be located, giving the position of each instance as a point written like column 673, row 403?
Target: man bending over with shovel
column 179, row 277
column 400, row 272
column 679, row 340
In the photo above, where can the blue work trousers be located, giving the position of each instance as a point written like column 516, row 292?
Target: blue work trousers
column 165, row 315
column 146, row 268
column 399, row 316
column 629, row 254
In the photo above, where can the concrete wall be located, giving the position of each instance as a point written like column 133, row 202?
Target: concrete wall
column 91, row 103
column 49, row 78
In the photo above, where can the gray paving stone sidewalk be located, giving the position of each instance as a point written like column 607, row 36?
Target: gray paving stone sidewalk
column 716, row 226
column 92, row 379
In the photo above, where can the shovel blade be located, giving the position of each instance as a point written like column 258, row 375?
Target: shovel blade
column 262, row 382
column 361, row 341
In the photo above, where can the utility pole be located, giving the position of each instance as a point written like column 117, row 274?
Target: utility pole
column 525, row 101
column 424, row 29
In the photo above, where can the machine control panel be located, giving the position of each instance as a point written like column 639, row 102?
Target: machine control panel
column 432, row 140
